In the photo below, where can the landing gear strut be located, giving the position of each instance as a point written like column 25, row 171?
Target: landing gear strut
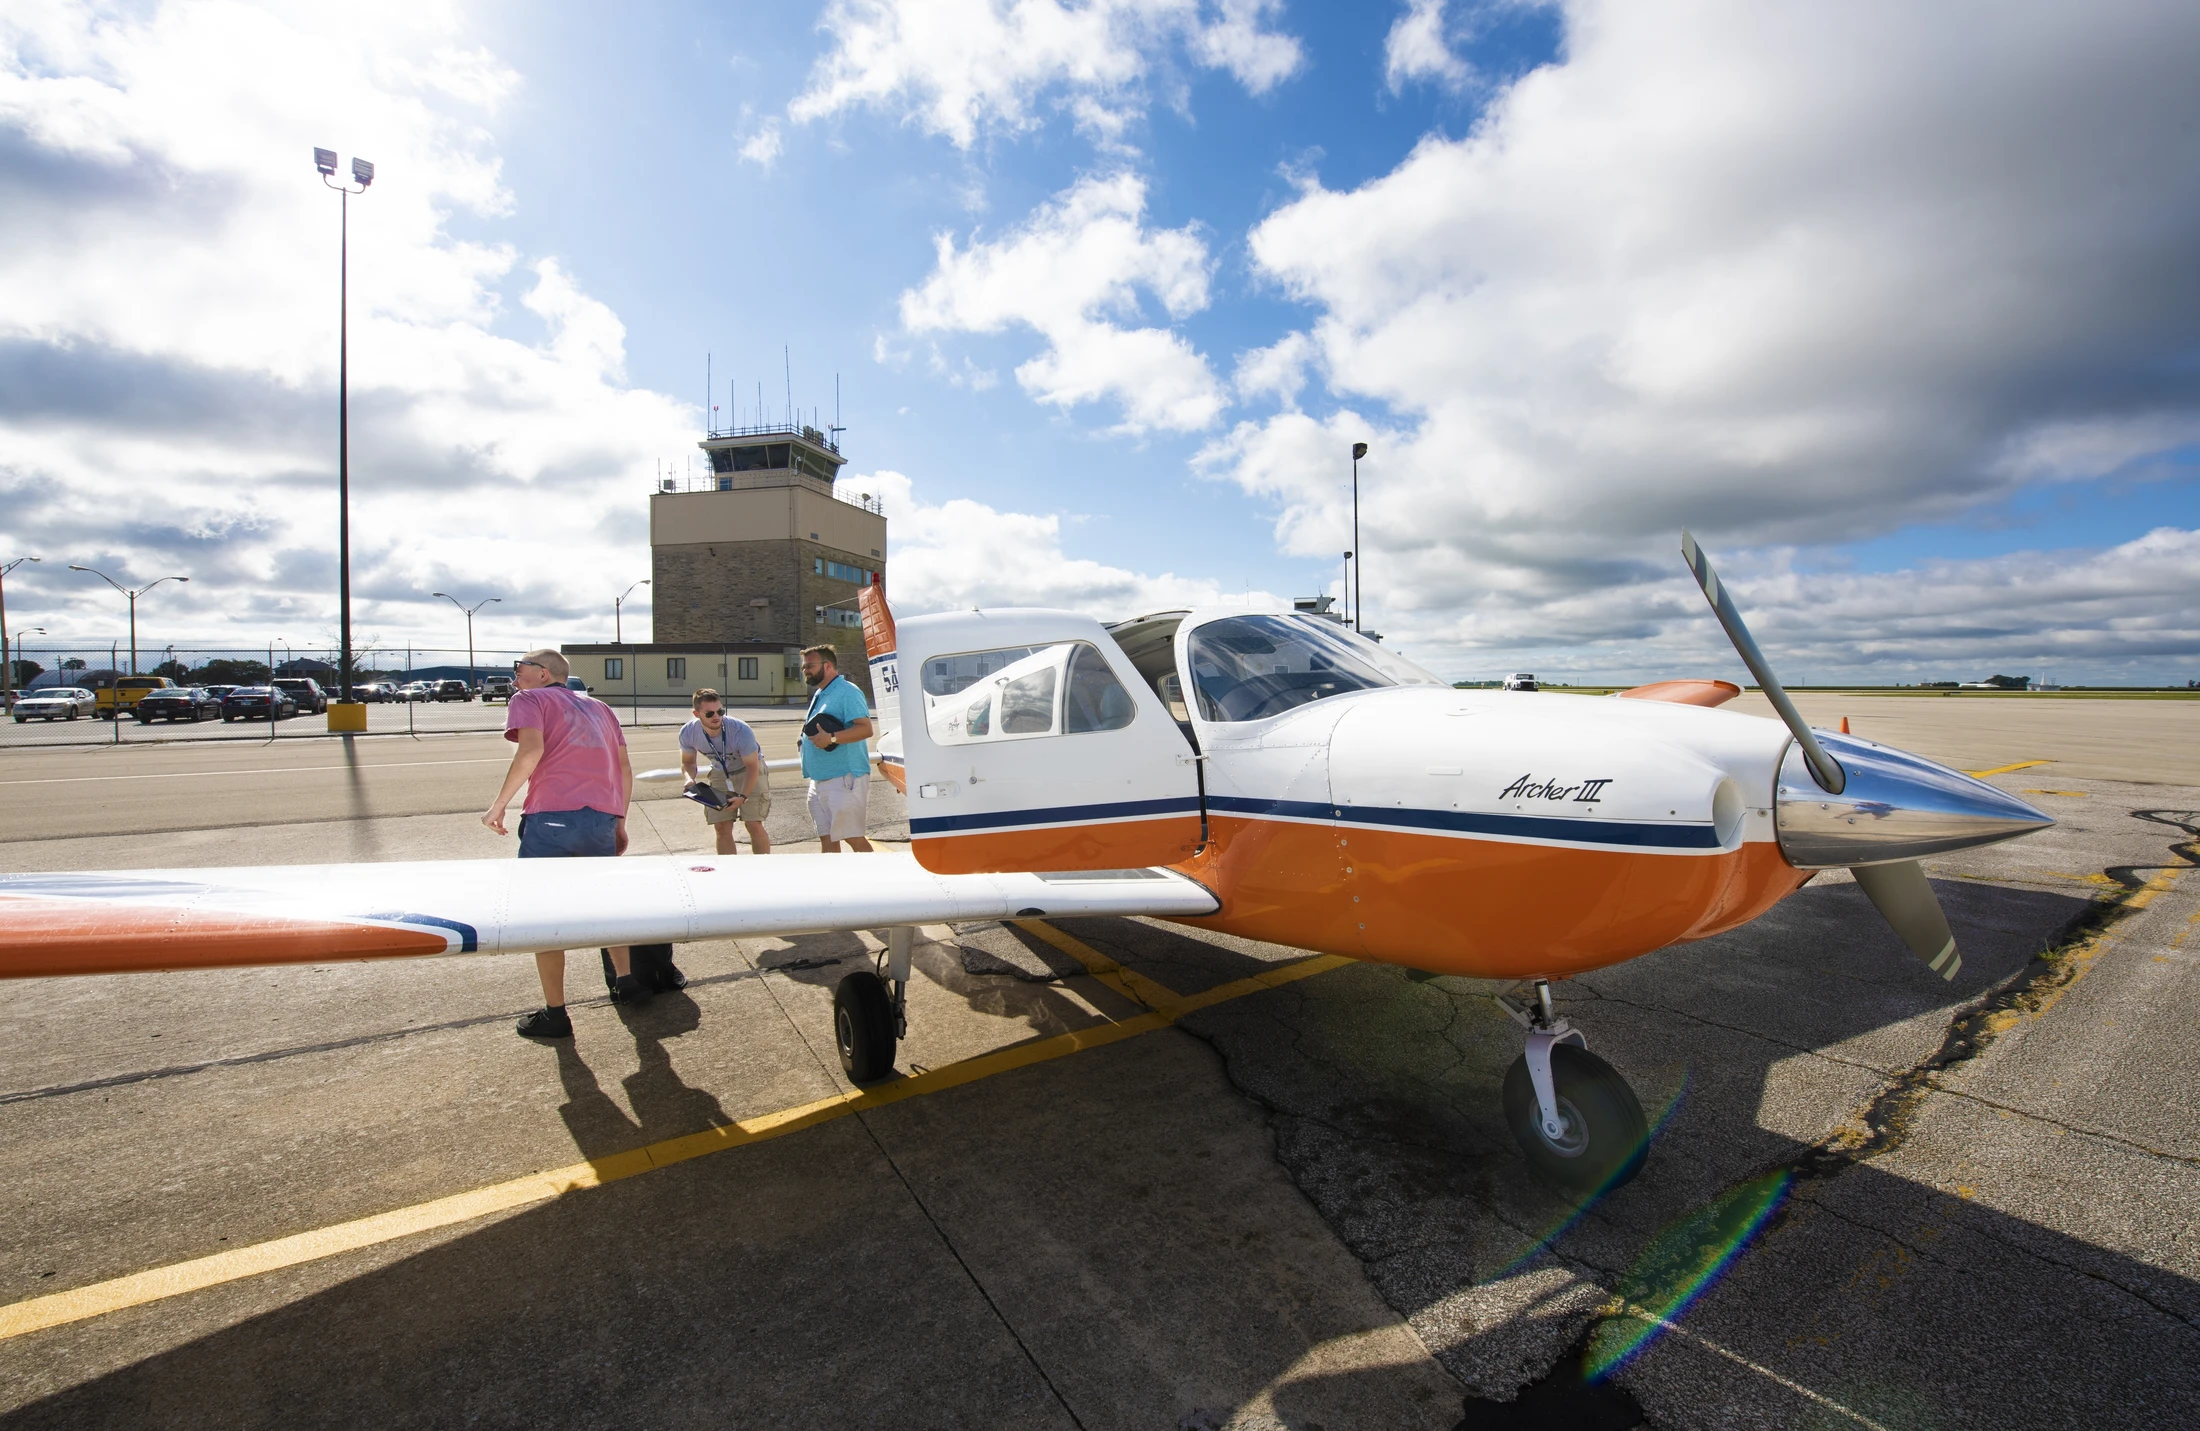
column 870, row 1011
column 1573, row 1115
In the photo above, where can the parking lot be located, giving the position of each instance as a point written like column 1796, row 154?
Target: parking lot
column 1133, row 1175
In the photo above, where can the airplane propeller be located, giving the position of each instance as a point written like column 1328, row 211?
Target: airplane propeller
column 1898, row 889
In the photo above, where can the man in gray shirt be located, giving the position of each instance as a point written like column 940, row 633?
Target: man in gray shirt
column 726, row 745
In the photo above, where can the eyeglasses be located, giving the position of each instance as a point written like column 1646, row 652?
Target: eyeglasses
column 710, row 715
column 536, row 664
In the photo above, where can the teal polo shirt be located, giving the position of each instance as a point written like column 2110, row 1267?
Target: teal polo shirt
column 840, row 698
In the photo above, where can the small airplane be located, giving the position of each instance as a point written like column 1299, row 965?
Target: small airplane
column 1276, row 777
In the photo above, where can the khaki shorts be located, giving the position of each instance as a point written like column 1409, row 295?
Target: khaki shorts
column 757, row 807
column 840, row 806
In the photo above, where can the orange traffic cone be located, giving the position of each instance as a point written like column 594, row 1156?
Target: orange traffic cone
column 1844, row 725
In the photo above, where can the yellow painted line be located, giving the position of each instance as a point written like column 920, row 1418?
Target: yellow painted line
column 2066, row 794
column 1129, row 983
column 160, row 1283
column 2005, row 769
column 269, row 770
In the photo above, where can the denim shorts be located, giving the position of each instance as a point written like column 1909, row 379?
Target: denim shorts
column 555, row 834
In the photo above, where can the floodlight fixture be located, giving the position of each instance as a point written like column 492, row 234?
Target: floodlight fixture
column 362, row 172
column 324, row 160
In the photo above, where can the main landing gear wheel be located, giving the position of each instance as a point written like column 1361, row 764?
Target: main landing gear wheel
column 863, row 1026
column 1602, row 1136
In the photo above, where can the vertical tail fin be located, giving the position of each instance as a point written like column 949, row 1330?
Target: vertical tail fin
column 879, row 644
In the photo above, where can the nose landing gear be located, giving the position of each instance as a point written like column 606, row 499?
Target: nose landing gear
column 1577, row 1120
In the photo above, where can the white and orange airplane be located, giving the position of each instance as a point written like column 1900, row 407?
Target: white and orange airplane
column 1271, row 776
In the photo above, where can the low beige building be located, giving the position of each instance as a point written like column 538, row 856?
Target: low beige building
column 668, row 673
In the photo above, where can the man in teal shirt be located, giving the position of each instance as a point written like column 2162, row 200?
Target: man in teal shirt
column 836, row 762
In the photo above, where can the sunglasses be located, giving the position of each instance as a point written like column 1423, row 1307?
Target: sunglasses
column 536, row 664
column 710, row 715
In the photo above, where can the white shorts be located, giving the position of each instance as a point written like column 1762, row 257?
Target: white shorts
column 839, row 806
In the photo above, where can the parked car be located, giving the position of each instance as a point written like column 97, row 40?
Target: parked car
column 575, row 683
column 1520, row 681
column 452, row 690
column 496, row 688
column 56, row 703
column 413, row 691
column 127, row 691
column 258, row 703
column 305, row 693
column 221, row 692
column 189, row 703
column 376, row 692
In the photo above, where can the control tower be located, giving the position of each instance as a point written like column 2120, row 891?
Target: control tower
column 761, row 551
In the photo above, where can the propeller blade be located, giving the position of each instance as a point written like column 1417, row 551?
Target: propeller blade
column 1900, row 893
column 669, row 773
column 1823, row 767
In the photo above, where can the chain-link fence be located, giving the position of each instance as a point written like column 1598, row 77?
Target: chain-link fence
column 70, row 695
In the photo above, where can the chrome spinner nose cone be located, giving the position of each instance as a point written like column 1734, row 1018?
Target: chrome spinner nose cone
column 1896, row 806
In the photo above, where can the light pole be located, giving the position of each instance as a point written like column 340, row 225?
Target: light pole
column 19, row 635
column 133, row 595
column 324, row 160
column 1348, row 586
column 7, row 665
column 618, row 629
column 1359, row 450
column 473, row 677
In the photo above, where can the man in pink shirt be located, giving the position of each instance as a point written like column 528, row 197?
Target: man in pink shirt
column 572, row 759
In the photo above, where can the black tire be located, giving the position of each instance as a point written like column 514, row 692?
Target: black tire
column 863, row 1026
column 1607, row 1136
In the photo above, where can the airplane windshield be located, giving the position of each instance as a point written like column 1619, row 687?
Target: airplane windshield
column 1251, row 667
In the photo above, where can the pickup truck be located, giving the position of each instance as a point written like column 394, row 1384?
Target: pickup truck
column 127, row 691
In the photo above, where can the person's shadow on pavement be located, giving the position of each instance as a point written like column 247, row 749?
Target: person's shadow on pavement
column 664, row 1106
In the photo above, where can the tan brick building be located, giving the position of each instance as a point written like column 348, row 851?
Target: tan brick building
column 764, row 554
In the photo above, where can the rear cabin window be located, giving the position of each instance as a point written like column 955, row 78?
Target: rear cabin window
column 1022, row 692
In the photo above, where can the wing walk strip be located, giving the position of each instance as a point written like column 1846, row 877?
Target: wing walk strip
column 137, row 1289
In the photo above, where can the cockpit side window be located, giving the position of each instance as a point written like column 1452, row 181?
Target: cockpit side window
column 1252, row 667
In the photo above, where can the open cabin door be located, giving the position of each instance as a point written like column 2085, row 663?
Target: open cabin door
column 1030, row 743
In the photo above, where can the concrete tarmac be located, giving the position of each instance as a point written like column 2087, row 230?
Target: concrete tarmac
column 1874, row 1200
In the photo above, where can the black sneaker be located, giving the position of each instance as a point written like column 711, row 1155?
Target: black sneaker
column 546, row 1023
column 628, row 990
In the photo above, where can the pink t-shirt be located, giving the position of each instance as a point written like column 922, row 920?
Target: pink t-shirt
column 581, row 741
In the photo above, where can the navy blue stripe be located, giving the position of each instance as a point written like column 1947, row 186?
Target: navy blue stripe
column 1057, row 815
column 1537, row 827
column 470, row 940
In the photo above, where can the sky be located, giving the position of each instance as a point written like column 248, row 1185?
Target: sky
column 1892, row 305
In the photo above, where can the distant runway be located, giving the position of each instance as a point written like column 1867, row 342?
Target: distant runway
column 1135, row 1176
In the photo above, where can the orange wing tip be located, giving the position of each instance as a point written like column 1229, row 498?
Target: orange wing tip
column 1690, row 692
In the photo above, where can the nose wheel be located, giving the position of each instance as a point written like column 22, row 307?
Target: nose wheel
column 1576, row 1119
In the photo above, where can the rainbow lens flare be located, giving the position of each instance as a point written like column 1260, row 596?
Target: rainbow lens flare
column 1679, row 1266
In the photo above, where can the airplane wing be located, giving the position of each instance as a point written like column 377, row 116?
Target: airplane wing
column 139, row 920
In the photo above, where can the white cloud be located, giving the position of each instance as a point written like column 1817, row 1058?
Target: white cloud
column 763, row 147
column 962, row 553
column 957, row 67
column 1786, row 275
column 1078, row 262
column 1417, row 49
column 168, row 335
column 1277, row 371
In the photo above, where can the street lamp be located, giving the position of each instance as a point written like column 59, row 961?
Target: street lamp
column 473, row 677
column 1347, row 586
column 618, row 629
column 1359, row 450
column 362, row 173
column 133, row 595
column 7, row 666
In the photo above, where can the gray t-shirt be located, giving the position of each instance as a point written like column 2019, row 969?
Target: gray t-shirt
column 735, row 743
